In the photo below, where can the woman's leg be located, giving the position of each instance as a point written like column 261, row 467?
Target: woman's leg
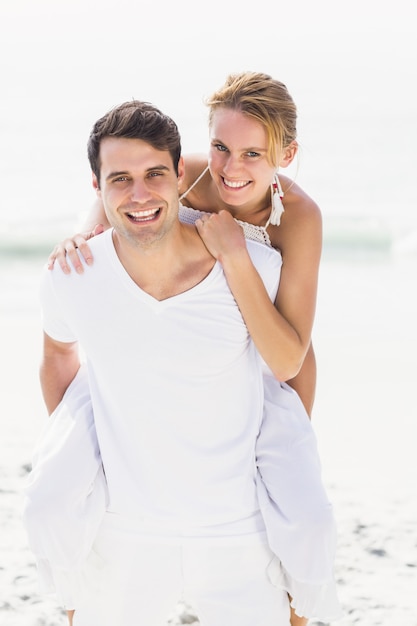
column 297, row 621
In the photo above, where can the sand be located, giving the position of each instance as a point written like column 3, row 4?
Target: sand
column 364, row 417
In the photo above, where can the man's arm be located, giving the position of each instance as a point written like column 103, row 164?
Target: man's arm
column 59, row 365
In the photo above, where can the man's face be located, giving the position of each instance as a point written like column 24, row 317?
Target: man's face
column 139, row 189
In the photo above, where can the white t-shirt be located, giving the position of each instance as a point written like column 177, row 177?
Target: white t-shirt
column 176, row 388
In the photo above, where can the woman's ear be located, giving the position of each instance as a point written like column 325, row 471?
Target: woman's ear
column 288, row 154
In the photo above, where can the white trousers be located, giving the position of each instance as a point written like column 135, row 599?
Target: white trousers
column 137, row 580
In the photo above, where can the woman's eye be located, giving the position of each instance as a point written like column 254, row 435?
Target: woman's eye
column 252, row 154
column 220, row 147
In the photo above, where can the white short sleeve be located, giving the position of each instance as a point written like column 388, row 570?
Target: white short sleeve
column 54, row 320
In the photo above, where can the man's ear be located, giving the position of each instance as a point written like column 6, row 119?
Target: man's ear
column 288, row 154
column 96, row 184
column 181, row 171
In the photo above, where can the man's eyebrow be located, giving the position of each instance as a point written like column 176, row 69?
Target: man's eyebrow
column 158, row 167
column 113, row 174
column 126, row 173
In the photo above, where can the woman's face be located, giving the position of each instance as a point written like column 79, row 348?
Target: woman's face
column 238, row 159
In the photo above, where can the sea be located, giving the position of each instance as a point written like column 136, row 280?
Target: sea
column 368, row 199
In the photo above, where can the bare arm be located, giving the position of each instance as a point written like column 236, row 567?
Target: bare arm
column 96, row 215
column 59, row 365
column 305, row 381
column 282, row 333
column 299, row 237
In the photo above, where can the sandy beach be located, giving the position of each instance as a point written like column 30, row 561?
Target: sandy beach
column 366, row 340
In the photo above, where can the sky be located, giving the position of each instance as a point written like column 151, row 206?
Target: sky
column 351, row 69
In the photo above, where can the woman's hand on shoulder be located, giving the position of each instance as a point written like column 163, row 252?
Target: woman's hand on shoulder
column 221, row 234
column 74, row 249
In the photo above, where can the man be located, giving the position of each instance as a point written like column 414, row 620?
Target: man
column 176, row 390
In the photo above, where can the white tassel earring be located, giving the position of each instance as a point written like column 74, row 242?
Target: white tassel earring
column 276, row 200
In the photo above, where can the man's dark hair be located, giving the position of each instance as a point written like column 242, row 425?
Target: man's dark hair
column 135, row 120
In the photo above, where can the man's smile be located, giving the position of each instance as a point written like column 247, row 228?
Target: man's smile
column 143, row 216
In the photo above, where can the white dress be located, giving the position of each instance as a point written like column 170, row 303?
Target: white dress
column 295, row 508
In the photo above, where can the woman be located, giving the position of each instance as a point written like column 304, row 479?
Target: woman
column 252, row 126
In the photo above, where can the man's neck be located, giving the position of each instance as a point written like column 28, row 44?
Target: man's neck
column 167, row 268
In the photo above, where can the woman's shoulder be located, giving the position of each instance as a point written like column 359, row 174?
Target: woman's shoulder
column 301, row 221
column 297, row 201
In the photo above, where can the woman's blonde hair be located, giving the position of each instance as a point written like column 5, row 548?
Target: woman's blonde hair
column 264, row 99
